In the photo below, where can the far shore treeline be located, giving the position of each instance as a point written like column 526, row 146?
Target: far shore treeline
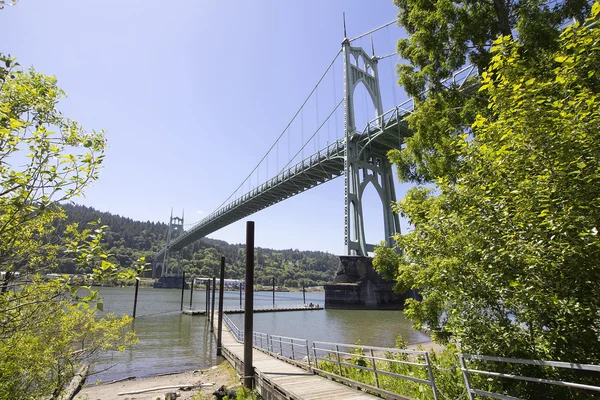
column 127, row 240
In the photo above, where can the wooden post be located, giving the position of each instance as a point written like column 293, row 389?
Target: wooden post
column 220, row 323
column 303, row 293
column 182, row 288
column 273, row 292
column 208, row 301
column 206, row 298
column 212, row 312
column 249, row 307
column 240, row 295
column 192, row 292
column 137, row 285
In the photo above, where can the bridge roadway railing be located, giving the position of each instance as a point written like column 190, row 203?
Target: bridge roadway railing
column 320, row 167
column 377, row 368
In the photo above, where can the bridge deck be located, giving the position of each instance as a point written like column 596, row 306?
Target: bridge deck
column 290, row 382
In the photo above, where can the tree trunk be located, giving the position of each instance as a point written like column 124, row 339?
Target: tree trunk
column 502, row 14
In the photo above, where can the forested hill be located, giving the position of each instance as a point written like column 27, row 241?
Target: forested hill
column 127, row 240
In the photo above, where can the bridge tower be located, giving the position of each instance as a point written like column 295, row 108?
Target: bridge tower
column 362, row 165
column 175, row 229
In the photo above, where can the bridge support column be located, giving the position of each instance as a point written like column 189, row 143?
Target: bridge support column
column 364, row 165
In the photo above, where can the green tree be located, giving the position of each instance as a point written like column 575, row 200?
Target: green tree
column 444, row 36
column 48, row 328
column 506, row 253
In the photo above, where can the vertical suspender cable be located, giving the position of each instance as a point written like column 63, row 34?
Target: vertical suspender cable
column 317, row 138
column 302, row 133
column 387, row 29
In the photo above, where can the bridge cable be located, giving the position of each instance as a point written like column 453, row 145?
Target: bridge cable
column 317, row 141
column 374, row 30
column 394, row 82
column 287, row 126
column 388, row 56
column 320, row 126
column 302, row 130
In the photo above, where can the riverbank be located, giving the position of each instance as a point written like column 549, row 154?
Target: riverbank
column 204, row 381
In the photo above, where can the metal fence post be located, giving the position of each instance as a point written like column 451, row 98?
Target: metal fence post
column 307, row 354
column 431, row 378
column 293, row 355
column 374, row 370
column 463, row 367
column 337, row 353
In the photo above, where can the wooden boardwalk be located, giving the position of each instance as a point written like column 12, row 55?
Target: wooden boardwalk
column 257, row 310
column 283, row 380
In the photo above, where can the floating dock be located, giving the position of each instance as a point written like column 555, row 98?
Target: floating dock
column 257, row 310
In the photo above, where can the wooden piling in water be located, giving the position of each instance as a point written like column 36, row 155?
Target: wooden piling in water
column 249, row 307
column 220, row 323
column 137, row 286
column 212, row 310
column 182, row 288
column 192, row 292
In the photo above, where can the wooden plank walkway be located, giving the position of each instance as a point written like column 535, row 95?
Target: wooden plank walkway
column 288, row 381
column 257, row 310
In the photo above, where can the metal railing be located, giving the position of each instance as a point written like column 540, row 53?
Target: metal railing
column 366, row 358
column 237, row 333
column 286, row 347
column 470, row 391
column 376, row 365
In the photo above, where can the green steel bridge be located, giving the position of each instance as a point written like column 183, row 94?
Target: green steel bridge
column 359, row 156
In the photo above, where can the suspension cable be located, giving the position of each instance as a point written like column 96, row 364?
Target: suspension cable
column 387, row 56
column 313, row 135
column 285, row 129
column 373, row 31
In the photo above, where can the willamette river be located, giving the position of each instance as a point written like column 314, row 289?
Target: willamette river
column 172, row 342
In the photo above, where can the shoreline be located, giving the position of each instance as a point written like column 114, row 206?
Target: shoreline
column 204, row 381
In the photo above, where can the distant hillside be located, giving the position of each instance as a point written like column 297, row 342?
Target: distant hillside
column 127, row 240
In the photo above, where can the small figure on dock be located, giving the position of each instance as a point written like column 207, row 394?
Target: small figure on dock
column 310, row 305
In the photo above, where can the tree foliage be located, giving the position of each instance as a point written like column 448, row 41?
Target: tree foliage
column 506, row 252
column 48, row 327
column 128, row 240
column 446, row 35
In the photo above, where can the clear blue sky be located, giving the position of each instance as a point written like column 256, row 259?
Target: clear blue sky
column 192, row 93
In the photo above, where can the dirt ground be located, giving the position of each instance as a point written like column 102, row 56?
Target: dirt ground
column 205, row 382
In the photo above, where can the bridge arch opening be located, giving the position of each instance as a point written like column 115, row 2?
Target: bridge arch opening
column 364, row 107
column 373, row 215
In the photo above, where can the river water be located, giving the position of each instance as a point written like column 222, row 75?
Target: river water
column 172, row 342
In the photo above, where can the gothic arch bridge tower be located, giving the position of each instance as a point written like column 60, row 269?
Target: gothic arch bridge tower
column 356, row 284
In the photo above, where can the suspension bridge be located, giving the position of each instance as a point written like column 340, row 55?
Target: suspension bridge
column 360, row 155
